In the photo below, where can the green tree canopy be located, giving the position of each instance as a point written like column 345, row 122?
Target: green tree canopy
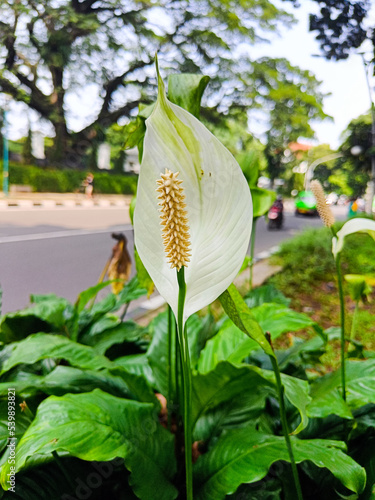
column 341, row 26
column 357, row 150
column 50, row 49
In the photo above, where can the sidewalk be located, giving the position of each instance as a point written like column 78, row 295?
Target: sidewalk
column 67, row 200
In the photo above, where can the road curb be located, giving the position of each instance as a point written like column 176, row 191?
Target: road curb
column 26, row 204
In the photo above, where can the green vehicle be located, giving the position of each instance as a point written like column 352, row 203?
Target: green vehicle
column 306, row 203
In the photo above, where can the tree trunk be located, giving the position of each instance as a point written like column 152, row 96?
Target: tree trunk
column 60, row 146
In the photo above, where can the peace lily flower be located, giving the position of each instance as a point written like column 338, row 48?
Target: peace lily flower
column 357, row 225
column 193, row 208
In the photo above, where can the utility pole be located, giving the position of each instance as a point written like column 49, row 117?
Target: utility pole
column 372, row 175
column 5, row 153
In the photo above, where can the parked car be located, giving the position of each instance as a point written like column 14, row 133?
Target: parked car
column 306, row 203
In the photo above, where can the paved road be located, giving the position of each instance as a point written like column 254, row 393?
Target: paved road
column 63, row 251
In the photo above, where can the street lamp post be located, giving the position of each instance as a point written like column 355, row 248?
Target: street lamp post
column 5, row 153
column 310, row 171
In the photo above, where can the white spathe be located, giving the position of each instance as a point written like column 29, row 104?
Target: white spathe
column 218, row 203
column 357, row 225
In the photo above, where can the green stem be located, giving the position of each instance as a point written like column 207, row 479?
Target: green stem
column 252, row 247
column 342, row 323
column 284, row 423
column 169, row 367
column 186, row 382
column 354, row 321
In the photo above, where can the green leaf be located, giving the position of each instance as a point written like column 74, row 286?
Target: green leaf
column 133, row 290
column 186, row 90
column 47, row 481
column 245, row 456
column 127, row 331
column 277, row 319
column 230, row 344
column 63, row 379
column 241, row 316
column 18, row 325
column 144, row 278
column 262, row 200
column 250, row 164
column 157, row 353
column 137, row 364
column 215, row 396
column 99, row 427
column 134, row 133
column 22, row 421
column 42, row 346
column 360, row 390
column 85, row 296
column 263, row 294
column 52, row 309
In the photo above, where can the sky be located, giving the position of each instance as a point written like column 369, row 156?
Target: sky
column 344, row 80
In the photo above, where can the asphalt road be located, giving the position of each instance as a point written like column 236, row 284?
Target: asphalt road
column 63, row 251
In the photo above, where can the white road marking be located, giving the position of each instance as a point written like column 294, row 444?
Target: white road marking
column 62, row 234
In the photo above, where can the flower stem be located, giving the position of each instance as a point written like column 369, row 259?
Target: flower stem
column 252, row 246
column 186, row 382
column 342, row 323
column 284, row 423
column 169, row 367
column 342, row 320
column 354, row 321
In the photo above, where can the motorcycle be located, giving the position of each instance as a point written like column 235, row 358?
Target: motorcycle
column 275, row 216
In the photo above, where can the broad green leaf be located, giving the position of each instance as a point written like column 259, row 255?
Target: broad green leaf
column 137, row 364
column 250, row 165
column 230, row 344
column 186, row 91
column 218, row 205
column 226, row 397
column 132, row 290
column 277, row 319
column 134, row 133
column 360, row 390
column 22, row 421
column 48, row 481
column 100, row 427
column 144, row 278
column 157, row 353
column 263, row 294
column 42, row 346
column 239, row 313
column 85, row 296
column 245, row 456
column 352, row 226
column 126, row 331
column 49, row 313
column 63, row 379
column 262, row 200
column 52, row 309
column 221, row 387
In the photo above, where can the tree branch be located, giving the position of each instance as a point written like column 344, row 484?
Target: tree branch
column 105, row 120
column 112, row 85
column 36, row 100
